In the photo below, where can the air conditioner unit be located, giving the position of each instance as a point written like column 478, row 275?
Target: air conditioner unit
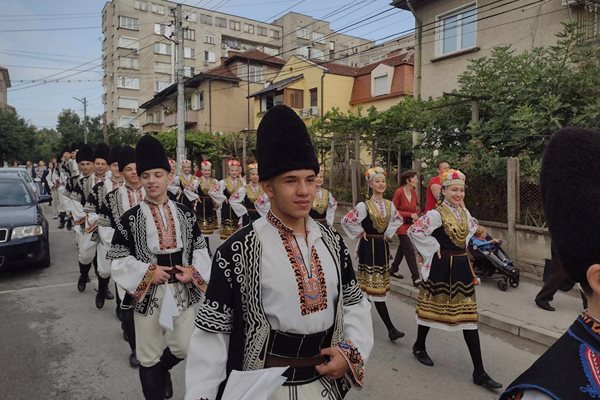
column 572, row 2
column 314, row 111
column 134, row 110
column 305, row 112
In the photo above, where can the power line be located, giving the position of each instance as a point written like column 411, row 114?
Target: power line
column 50, row 29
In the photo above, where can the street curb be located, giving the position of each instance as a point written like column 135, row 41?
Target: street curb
column 501, row 322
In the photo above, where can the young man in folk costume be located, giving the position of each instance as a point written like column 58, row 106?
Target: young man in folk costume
column 256, row 201
column 570, row 369
column 92, row 167
column 324, row 205
column 282, row 290
column 447, row 298
column 205, row 211
column 188, row 184
column 374, row 223
column 230, row 198
column 63, row 176
column 159, row 257
column 93, row 207
column 70, row 175
column 116, row 202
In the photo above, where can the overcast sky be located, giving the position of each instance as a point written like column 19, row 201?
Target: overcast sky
column 37, row 43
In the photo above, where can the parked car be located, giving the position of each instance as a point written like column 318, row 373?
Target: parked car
column 24, row 236
column 22, row 172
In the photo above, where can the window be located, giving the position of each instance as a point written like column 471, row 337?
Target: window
column 162, row 48
column 190, row 16
column 129, row 23
column 128, row 43
column 199, row 99
column 234, row 25
column 302, row 51
column 206, row 19
column 150, row 118
column 189, row 52
column 128, row 62
column 303, row 33
column 456, row 31
column 162, row 68
column 141, row 5
column 128, row 102
column 380, row 85
column 262, row 31
column 188, row 72
column 125, row 122
column 252, row 73
column 314, row 97
column 220, row 22
column 189, row 34
column 159, row 86
column 295, row 98
column 332, row 46
column 158, row 9
column 318, row 37
column 187, row 103
column 248, row 28
column 271, row 100
column 208, row 38
column 128, row 82
column 162, row 29
column 317, row 54
column 274, row 34
column 209, row 56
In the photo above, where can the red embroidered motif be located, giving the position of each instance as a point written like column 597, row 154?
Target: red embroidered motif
column 130, row 196
column 166, row 233
column 140, row 291
column 351, row 217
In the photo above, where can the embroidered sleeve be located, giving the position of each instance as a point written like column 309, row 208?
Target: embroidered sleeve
column 197, row 279
column 395, row 222
column 420, row 235
column 352, row 221
column 354, row 360
column 145, row 284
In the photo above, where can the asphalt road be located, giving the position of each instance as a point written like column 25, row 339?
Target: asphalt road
column 55, row 344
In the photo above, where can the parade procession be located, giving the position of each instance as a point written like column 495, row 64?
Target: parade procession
column 300, row 200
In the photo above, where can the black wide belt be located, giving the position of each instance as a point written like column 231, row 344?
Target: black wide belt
column 170, row 260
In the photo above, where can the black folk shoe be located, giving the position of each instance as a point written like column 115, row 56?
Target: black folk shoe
column 422, row 357
column 486, row 381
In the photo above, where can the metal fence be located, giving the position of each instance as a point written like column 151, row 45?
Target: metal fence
column 530, row 208
column 486, row 197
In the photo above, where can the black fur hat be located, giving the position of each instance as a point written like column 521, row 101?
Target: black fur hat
column 571, row 198
column 114, row 154
column 126, row 157
column 75, row 147
column 150, row 154
column 85, row 153
column 65, row 149
column 102, row 152
column 283, row 144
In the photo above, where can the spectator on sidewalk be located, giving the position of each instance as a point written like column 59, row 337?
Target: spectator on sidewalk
column 406, row 202
column 557, row 280
column 434, row 187
column 569, row 369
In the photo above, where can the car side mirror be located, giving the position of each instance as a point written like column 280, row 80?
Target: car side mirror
column 44, row 198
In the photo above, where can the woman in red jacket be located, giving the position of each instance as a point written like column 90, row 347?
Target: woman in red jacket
column 405, row 201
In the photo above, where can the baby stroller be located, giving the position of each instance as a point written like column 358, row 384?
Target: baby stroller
column 492, row 260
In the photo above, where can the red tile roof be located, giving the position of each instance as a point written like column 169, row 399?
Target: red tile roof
column 402, row 82
column 340, row 69
column 256, row 55
column 221, row 70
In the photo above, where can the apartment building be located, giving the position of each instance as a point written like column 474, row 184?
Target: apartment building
column 138, row 57
column 4, row 85
column 456, row 31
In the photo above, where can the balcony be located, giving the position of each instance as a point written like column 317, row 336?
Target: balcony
column 191, row 119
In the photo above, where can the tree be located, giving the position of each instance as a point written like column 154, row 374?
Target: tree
column 70, row 128
column 16, row 137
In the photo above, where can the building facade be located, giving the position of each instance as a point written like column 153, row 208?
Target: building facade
column 4, row 85
column 455, row 31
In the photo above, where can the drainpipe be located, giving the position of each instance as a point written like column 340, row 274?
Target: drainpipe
column 322, row 92
column 419, row 48
column 210, row 105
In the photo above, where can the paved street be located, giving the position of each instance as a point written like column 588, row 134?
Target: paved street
column 57, row 345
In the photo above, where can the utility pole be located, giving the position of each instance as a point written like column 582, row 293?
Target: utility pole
column 85, row 127
column 180, row 88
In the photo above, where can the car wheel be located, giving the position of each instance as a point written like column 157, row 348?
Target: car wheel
column 45, row 263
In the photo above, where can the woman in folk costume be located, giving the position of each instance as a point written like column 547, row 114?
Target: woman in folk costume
column 230, row 198
column 256, row 201
column 374, row 223
column 188, row 185
column 447, row 296
column 324, row 204
column 205, row 210
column 173, row 189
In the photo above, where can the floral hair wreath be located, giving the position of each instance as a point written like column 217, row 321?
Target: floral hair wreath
column 205, row 164
column 252, row 166
column 373, row 172
column 453, row 177
column 233, row 163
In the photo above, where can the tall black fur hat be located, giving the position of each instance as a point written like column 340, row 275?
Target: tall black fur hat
column 283, row 144
column 85, row 153
column 126, row 157
column 102, row 152
column 65, row 149
column 114, row 154
column 571, row 198
column 150, row 154
column 75, row 146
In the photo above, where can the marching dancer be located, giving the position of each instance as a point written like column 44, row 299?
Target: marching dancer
column 374, row 223
column 256, row 201
column 159, row 257
column 70, row 174
column 188, row 185
column 324, row 205
column 447, row 296
column 282, row 290
column 205, row 211
column 230, row 198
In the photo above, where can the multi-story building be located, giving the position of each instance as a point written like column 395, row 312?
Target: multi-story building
column 455, row 31
column 138, row 55
column 4, row 85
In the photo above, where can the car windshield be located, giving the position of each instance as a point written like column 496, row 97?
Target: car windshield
column 14, row 193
